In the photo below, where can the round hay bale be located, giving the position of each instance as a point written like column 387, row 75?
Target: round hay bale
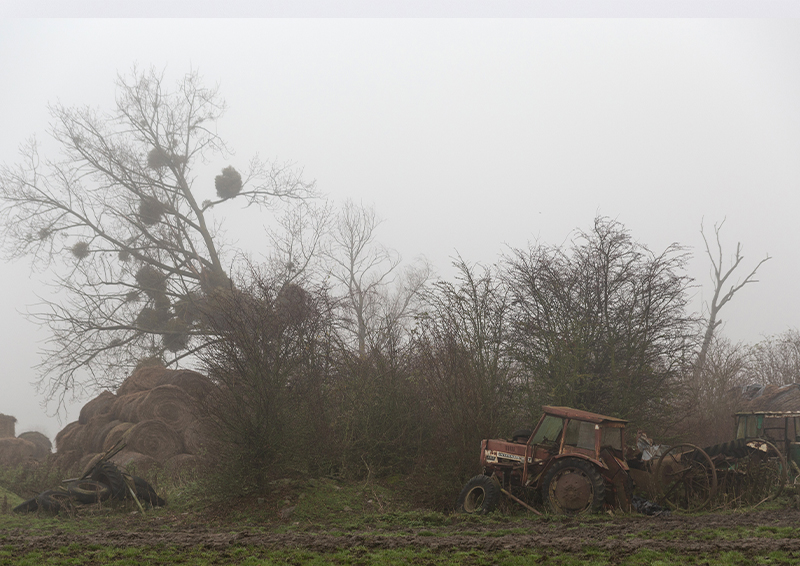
column 142, row 379
column 195, row 384
column 67, row 460
column 97, row 430
column 154, row 438
column 195, row 438
column 43, row 444
column 113, row 436
column 8, row 426
column 71, row 437
column 126, row 407
column 134, row 462
column 181, row 464
column 97, row 406
column 15, row 451
column 169, row 403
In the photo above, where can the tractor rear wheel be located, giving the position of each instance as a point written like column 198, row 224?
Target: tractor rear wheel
column 479, row 496
column 573, row 486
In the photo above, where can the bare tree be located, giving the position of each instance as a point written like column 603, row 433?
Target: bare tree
column 297, row 243
column 776, row 359
column 117, row 217
column 720, row 279
column 376, row 297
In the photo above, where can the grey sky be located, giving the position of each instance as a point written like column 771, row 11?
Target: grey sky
column 467, row 135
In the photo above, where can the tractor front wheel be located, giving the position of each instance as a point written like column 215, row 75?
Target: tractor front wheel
column 479, row 496
column 573, row 486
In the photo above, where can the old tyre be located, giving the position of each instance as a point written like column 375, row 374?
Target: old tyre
column 55, row 500
column 89, row 491
column 686, row 478
column 146, row 493
column 479, row 496
column 108, row 474
column 573, row 486
column 28, row 506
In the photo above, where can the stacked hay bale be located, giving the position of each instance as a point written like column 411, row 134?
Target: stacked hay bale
column 155, row 411
column 8, row 426
column 23, row 449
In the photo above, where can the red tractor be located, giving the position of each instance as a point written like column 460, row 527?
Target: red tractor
column 573, row 457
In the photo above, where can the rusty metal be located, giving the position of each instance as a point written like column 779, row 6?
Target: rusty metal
column 578, row 414
column 686, row 478
column 520, row 501
column 562, row 434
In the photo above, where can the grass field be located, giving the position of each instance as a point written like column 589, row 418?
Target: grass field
column 329, row 522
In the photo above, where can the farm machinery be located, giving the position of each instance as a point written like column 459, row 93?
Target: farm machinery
column 576, row 462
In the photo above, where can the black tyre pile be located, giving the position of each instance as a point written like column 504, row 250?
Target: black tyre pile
column 104, row 482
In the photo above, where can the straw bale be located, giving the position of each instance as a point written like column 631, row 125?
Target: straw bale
column 195, row 438
column 134, row 462
column 775, row 398
column 126, row 407
column 43, row 444
column 195, row 384
column 15, row 451
column 67, row 459
column 183, row 463
column 97, row 430
column 142, row 379
column 7, row 426
column 97, row 406
column 71, row 437
column 154, row 438
column 113, row 436
column 169, row 403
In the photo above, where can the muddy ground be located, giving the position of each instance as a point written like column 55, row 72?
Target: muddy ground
column 621, row 535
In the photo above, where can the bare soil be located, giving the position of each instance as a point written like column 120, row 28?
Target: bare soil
column 620, row 535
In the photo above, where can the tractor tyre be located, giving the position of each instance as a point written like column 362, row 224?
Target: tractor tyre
column 573, row 486
column 28, row 506
column 55, row 500
column 145, row 492
column 479, row 497
column 110, row 475
column 521, row 435
column 88, row 491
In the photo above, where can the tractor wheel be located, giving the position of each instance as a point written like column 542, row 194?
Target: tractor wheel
column 27, row 506
column 145, row 492
column 88, row 491
column 686, row 478
column 108, row 474
column 55, row 500
column 479, row 496
column 573, row 486
column 521, row 435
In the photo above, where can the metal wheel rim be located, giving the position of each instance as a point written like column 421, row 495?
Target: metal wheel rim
column 474, row 499
column 554, row 487
column 692, row 479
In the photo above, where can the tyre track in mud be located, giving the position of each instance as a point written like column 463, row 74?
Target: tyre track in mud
column 620, row 536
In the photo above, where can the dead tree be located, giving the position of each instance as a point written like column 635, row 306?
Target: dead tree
column 720, row 279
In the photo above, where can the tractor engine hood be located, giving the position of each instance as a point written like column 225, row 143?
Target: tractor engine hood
column 501, row 452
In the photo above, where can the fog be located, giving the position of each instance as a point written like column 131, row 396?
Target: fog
column 469, row 136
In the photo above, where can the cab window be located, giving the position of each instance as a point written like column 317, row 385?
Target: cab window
column 549, row 430
column 580, row 434
column 611, row 436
